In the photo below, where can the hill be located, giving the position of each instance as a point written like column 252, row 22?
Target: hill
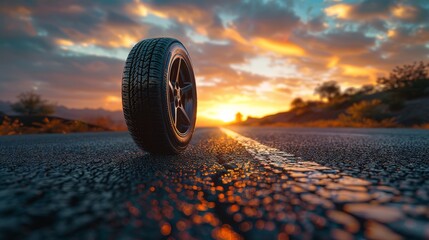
column 85, row 114
column 5, row 108
column 399, row 100
column 413, row 113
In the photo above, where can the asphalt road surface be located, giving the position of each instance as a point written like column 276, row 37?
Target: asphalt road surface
column 252, row 183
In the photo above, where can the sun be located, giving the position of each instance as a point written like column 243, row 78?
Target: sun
column 225, row 114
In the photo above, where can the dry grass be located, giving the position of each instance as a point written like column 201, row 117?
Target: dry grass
column 9, row 127
column 422, row 126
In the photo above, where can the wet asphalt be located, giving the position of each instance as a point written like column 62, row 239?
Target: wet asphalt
column 340, row 184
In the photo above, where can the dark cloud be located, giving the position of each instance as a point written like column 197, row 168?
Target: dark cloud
column 56, row 76
column 336, row 43
column 316, row 24
column 346, row 42
column 375, row 25
column 373, row 9
column 119, row 19
column 267, row 19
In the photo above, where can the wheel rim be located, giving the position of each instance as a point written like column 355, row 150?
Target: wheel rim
column 181, row 96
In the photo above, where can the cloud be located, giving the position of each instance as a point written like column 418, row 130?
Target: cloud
column 74, row 80
column 339, row 43
column 339, row 10
column 285, row 47
column 404, row 11
column 368, row 10
column 268, row 19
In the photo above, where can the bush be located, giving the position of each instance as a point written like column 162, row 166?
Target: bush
column 297, row 103
column 9, row 127
column 367, row 114
column 328, row 90
column 396, row 104
column 52, row 126
column 373, row 109
column 32, row 104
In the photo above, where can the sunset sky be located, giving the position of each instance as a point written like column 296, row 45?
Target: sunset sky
column 248, row 56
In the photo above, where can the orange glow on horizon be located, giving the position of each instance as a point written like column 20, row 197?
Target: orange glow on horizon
column 215, row 114
column 225, row 114
column 113, row 99
column 112, row 103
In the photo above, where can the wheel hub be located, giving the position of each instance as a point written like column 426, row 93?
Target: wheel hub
column 181, row 96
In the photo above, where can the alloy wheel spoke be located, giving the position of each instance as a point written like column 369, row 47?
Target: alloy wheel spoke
column 172, row 106
column 178, row 71
column 182, row 98
column 170, row 86
column 175, row 116
column 185, row 114
column 187, row 88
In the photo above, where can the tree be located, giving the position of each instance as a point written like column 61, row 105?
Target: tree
column 350, row 91
column 405, row 76
column 238, row 117
column 32, row 104
column 328, row 90
column 407, row 81
column 366, row 89
column 297, row 103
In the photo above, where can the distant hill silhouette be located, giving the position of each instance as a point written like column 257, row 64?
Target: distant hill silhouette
column 85, row 114
column 5, row 108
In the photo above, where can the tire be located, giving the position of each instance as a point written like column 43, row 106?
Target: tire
column 159, row 96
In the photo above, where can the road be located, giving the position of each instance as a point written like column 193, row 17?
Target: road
column 253, row 183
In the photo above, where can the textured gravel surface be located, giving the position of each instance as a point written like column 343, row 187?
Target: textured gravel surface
column 341, row 183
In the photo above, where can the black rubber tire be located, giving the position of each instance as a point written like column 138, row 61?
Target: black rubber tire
column 145, row 96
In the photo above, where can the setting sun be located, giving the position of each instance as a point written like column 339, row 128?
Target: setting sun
column 225, row 114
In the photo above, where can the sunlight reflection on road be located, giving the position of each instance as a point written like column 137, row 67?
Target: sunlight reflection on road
column 330, row 188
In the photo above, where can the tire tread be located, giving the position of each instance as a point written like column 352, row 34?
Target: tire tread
column 142, row 82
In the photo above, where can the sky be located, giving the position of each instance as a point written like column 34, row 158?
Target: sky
column 248, row 56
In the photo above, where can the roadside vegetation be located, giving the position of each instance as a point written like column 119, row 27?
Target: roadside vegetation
column 34, row 116
column 400, row 99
